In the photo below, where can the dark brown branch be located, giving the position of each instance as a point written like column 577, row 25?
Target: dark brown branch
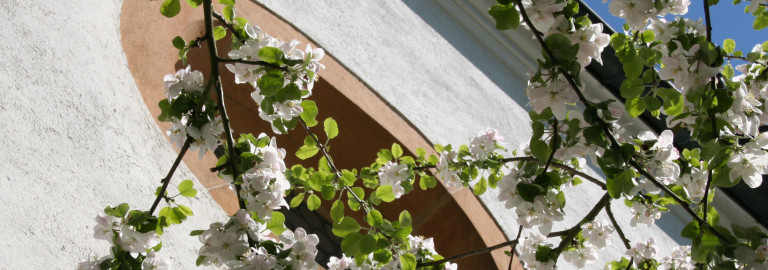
column 469, row 253
column 213, row 54
column 168, row 176
column 616, row 225
column 258, row 63
column 228, row 25
column 329, row 160
column 533, row 159
column 571, row 233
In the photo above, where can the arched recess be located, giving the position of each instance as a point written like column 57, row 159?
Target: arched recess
column 455, row 217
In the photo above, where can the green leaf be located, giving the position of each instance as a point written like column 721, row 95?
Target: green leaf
column 632, row 87
column 480, row 187
column 506, row 16
column 729, row 45
column 331, row 128
column 540, row 150
column 622, row 183
column 227, row 2
column 184, row 210
column 310, row 113
column 170, row 215
column 561, row 47
column 367, row 244
column 337, row 210
column 271, row 54
column 313, row 202
column 673, row 101
column 118, row 211
column 385, row 193
column 186, row 189
column 351, row 243
column 306, row 152
column 405, row 219
column 382, row 256
column 347, row 178
column 219, row 32
column 229, row 13
column 635, row 106
column 529, row 191
column 194, row 3
column 345, row 226
column 427, row 181
column 594, row 135
column 170, row 8
column 374, row 218
column 196, row 232
column 761, row 21
column 276, row 224
column 648, row 36
column 296, row 201
column 407, row 261
column 178, row 42
column 396, row 150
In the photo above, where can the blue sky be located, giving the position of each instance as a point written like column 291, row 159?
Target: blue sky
column 728, row 21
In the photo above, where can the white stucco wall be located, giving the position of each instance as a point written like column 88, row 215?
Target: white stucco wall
column 444, row 67
column 76, row 136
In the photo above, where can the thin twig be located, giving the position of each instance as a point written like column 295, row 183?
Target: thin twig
column 329, row 160
column 589, row 217
column 168, row 176
column 533, row 159
column 228, row 25
column 712, row 117
column 517, row 240
column 616, row 226
column 259, row 63
column 467, row 254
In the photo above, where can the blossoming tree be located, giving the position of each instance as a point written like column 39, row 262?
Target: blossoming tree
column 722, row 110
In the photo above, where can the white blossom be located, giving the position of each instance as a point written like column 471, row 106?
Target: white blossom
column 394, row 174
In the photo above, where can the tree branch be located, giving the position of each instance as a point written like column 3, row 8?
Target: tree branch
column 168, row 176
column 469, row 253
column 232, row 158
column 571, row 233
column 602, row 123
column 533, row 159
column 329, row 160
column 258, row 63
column 616, row 225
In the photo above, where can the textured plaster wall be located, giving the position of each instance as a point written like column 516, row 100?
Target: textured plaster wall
column 76, row 136
column 441, row 79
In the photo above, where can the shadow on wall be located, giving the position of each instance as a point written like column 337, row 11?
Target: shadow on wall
column 508, row 80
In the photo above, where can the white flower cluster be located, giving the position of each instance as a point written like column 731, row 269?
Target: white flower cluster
column 660, row 158
column 422, row 248
column 264, row 185
column 205, row 134
column 642, row 252
column 303, row 75
column 539, row 214
column 749, row 111
column 480, row 147
column 639, row 12
column 685, row 69
column 394, row 174
column 679, row 259
column 590, row 38
column 644, row 213
column 598, row 236
column 227, row 245
column 115, row 231
column 555, row 94
column 528, row 249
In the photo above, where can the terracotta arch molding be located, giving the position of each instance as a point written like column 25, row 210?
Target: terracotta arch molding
column 455, row 217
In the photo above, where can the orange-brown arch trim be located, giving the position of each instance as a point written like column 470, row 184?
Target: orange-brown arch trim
column 454, row 217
